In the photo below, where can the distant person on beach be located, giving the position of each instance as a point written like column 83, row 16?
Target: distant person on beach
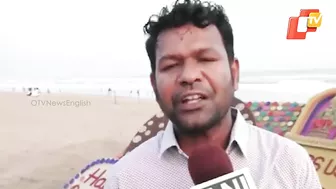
column 33, row 92
column 138, row 95
column 195, row 75
column 29, row 92
column 115, row 96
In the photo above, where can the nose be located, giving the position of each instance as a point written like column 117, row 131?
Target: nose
column 189, row 75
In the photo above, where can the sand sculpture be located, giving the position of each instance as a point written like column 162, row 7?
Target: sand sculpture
column 93, row 176
column 316, row 131
column 292, row 120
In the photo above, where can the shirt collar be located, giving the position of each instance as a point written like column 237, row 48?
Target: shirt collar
column 239, row 134
column 168, row 139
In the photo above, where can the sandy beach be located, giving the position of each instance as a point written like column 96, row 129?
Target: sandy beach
column 46, row 140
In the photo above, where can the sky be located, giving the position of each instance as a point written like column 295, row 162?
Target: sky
column 46, row 39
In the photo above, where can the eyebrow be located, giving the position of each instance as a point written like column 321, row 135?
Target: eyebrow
column 170, row 57
column 204, row 50
column 180, row 56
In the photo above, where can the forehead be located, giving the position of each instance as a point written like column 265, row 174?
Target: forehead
column 189, row 38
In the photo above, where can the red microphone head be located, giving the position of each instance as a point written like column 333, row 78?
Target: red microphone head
column 207, row 162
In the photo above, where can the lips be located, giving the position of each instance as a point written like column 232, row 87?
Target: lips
column 192, row 101
column 192, row 98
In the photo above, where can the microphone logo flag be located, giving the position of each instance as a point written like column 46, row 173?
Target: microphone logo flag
column 241, row 179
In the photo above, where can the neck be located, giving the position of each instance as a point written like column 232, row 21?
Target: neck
column 218, row 135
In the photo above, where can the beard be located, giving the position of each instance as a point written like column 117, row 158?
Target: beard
column 194, row 129
column 211, row 117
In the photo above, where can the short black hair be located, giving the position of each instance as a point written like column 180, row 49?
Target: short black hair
column 196, row 12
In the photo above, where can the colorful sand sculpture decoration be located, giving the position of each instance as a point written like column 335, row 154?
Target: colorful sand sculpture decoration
column 315, row 130
column 275, row 116
column 93, row 176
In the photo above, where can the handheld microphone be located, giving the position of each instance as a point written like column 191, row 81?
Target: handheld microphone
column 210, row 168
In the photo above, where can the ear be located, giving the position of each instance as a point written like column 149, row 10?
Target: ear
column 153, row 81
column 235, row 73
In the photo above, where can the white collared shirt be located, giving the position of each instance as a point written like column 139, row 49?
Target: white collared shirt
column 274, row 161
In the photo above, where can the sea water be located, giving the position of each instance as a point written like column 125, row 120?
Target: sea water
column 131, row 86
column 140, row 87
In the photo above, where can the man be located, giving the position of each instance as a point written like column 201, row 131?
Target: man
column 194, row 76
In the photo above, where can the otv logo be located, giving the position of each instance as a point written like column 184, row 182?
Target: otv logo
column 308, row 21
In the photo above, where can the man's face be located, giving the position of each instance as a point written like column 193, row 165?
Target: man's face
column 194, row 82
